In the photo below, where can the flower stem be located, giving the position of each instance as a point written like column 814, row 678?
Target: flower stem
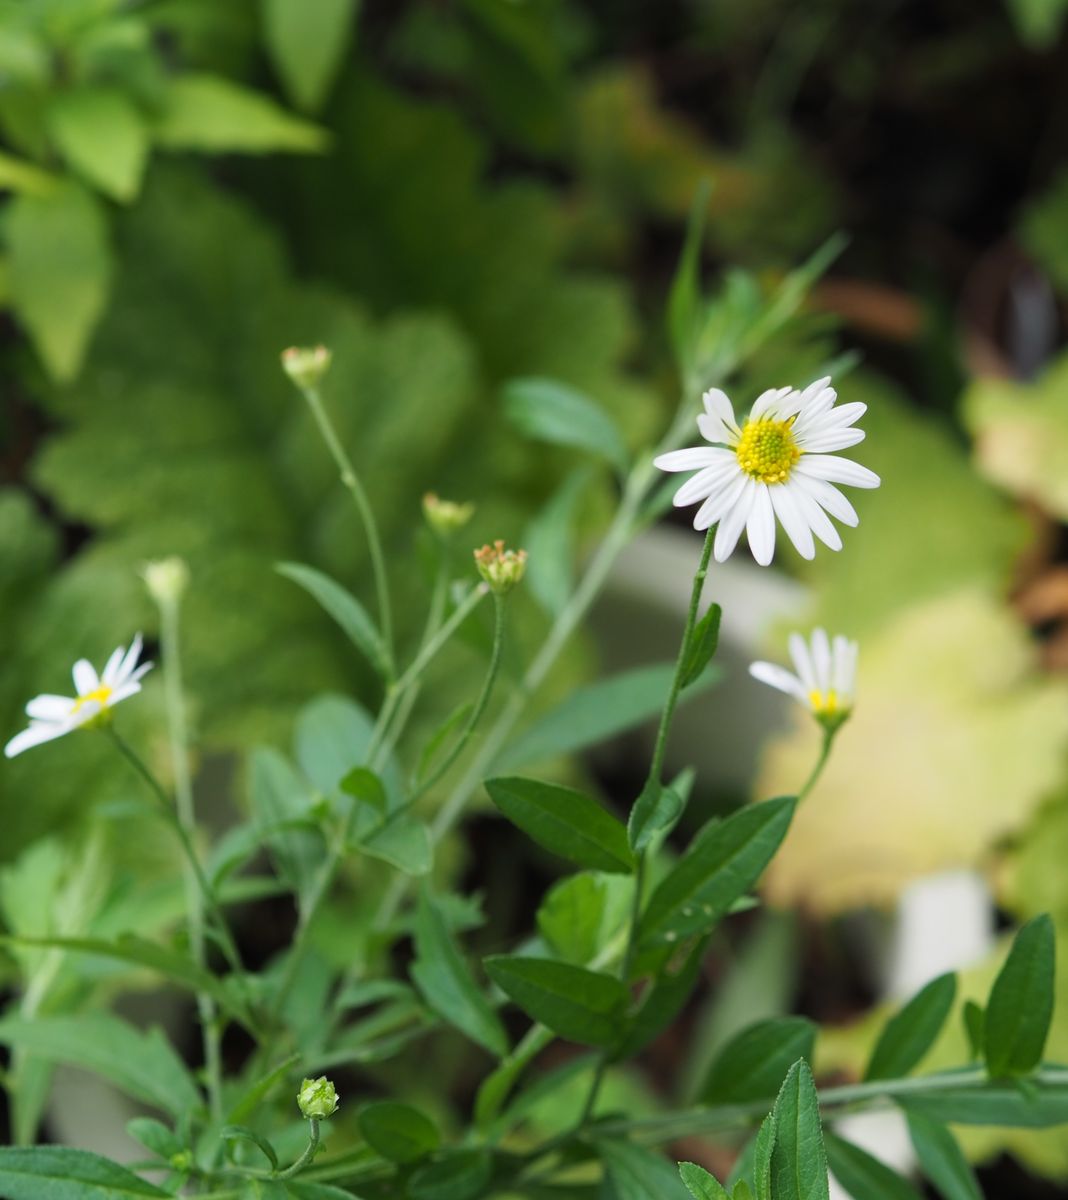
column 178, row 735
column 307, row 1156
column 351, row 481
column 829, row 734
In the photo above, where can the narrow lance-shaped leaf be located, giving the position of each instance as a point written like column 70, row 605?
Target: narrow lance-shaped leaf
column 723, row 862
column 1034, row 1106
column 565, row 822
column 1020, row 1007
column 552, row 411
column 941, row 1159
column 700, row 1184
column 701, row 647
column 345, row 609
column 910, row 1033
column 753, row 1064
column 655, row 812
column 763, row 1149
column 798, row 1161
column 862, row 1175
column 446, row 984
column 60, row 1173
column 663, row 1001
column 580, row 1005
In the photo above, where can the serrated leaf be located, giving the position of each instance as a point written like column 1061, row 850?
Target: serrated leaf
column 564, row 822
column 580, row 1005
column 637, row 1173
column 397, row 1131
column 656, row 812
column 941, row 1159
column 461, row 1175
column 213, row 115
column 307, row 40
column 1020, row 1007
column 550, row 411
column 60, row 1173
column 862, row 1175
column 753, row 1064
column 724, row 860
column 763, row 1149
column 144, row 1065
column 103, row 136
column 345, row 609
column 798, row 1160
column 446, row 983
column 701, row 647
column 700, row 1184
column 910, row 1033
column 59, row 271
column 593, row 714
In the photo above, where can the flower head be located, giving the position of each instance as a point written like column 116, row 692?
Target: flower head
column 317, row 1098
column 826, row 675
column 777, row 464
column 306, row 365
column 53, row 716
column 446, row 516
column 166, row 579
column 502, row 569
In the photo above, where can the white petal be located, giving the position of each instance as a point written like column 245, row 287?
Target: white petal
column 793, row 519
column 813, row 405
column 130, row 661
column 778, row 677
column 85, row 677
column 128, row 689
column 712, row 429
column 821, row 659
column 814, row 516
column 141, row 672
column 767, row 403
column 690, row 459
column 733, row 522
column 822, row 441
column 50, row 708
column 842, row 679
column 703, row 483
column 719, row 407
column 89, row 710
column 110, row 672
column 760, row 528
column 721, row 501
column 840, row 417
column 837, row 470
column 34, row 736
column 803, row 662
column 828, row 496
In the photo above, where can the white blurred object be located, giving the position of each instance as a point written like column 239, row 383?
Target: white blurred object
column 884, row 1135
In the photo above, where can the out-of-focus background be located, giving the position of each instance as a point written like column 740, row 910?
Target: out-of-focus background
column 455, row 193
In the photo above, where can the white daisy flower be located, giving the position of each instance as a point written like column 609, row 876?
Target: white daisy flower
column 53, row 716
column 779, row 463
column 826, row 675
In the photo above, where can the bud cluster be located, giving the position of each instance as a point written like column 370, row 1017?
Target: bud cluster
column 446, row 516
column 502, row 569
column 306, row 365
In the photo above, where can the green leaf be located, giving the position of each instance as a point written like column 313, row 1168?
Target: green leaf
column 1020, row 1007
column 763, row 1149
column 462, row 1175
column 656, row 811
column 213, row 115
column 910, row 1033
column 241, row 1133
column 580, row 1005
column 59, row 1173
column 248, row 1101
column 637, row 1173
column 564, row 822
column 103, row 136
column 684, row 300
column 753, row 1064
column 941, row 1159
column 142, row 1064
column 798, row 1161
column 364, row 786
column 974, row 1019
column 307, row 40
column 1038, row 22
column 582, row 912
column 701, row 648
column 723, row 862
column 154, row 1136
column 332, row 737
column 862, row 1175
column 403, row 841
column 550, row 411
column 1036, row 1106
column 277, row 795
column 700, row 1184
column 302, row 1189
column 452, row 724
column 18, row 175
column 662, row 1001
column 548, row 541
column 345, row 609
column 446, row 984
column 59, row 263
column 397, row 1131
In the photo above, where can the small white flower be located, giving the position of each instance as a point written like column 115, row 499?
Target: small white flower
column 53, row 716
column 779, row 463
column 826, row 674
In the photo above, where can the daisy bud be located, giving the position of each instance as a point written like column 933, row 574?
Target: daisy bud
column 446, row 516
column 502, row 569
column 306, row 365
column 317, row 1098
column 166, row 579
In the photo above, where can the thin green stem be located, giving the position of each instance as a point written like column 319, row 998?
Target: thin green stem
column 178, row 735
column 829, row 733
column 351, row 481
column 307, row 1156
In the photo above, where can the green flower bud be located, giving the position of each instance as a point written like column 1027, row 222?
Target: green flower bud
column 502, row 569
column 166, row 579
column 446, row 516
column 306, row 365
column 317, row 1098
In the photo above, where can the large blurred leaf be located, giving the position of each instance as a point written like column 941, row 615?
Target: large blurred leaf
column 60, row 1173
column 307, row 40
column 103, row 136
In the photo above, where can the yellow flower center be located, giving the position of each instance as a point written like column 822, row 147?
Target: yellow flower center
column 767, row 450
column 824, row 702
column 99, row 694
